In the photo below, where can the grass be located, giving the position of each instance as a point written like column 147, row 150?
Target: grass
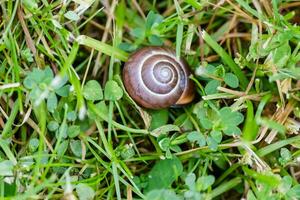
column 70, row 130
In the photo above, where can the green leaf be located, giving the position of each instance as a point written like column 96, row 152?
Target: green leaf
column 158, row 118
column 46, row 75
column 127, row 152
column 76, row 148
column 164, row 129
column 33, row 144
column 230, row 118
column 210, row 69
column 152, row 19
column 285, row 153
column 204, row 182
column 127, row 46
column 62, row 132
column 36, row 77
column 52, row 126
column 60, row 82
column 216, row 135
column 73, row 131
column 29, row 83
column 294, row 193
column 101, row 108
column 286, row 184
column 219, row 71
column 168, row 154
column 285, row 156
column 281, row 55
column 212, row 144
column 155, row 40
column 85, row 192
column 30, row 4
column 175, row 148
column 162, row 194
column 138, row 33
column 211, row 87
column 92, row 91
column 164, row 173
column 62, row 148
column 6, row 168
column 226, row 58
column 190, row 181
column 184, row 122
column 35, row 93
column 71, row 116
column 198, row 137
column 232, row 130
column 194, row 195
column 164, row 144
column 204, row 115
column 63, row 91
column 231, row 80
column 113, row 91
column 206, row 123
column 250, row 195
column 51, row 102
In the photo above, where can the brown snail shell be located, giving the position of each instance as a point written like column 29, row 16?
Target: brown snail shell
column 155, row 78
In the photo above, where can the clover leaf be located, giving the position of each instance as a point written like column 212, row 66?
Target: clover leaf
column 231, row 80
column 216, row 122
column 112, row 91
column 211, row 87
column 92, row 91
column 230, row 120
column 43, row 85
column 165, row 143
column 149, row 30
column 198, row 137
column 197, row 187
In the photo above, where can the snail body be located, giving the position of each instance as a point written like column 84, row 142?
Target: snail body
column 156, row 79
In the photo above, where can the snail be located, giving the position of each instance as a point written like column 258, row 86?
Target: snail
column 156, row 79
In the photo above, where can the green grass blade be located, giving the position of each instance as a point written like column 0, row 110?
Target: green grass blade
column 8, row 152
column 120, row 126
column 226, row 59
column 225, row 187
column 277, row 145
column 102, row 47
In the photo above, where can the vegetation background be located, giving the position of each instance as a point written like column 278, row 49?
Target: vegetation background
column 69, row 129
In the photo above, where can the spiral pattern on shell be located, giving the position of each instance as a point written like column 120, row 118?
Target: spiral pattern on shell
column 155, row 78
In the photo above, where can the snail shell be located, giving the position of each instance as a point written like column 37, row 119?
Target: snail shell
column 155, row 78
